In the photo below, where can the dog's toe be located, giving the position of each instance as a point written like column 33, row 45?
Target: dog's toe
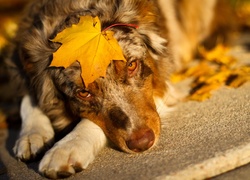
column 56, row 164
column 22, row 149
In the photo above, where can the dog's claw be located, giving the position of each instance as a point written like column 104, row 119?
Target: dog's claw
column 64, row 174
column 53, row 174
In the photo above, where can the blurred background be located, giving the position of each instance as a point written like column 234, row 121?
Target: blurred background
column 10, row 11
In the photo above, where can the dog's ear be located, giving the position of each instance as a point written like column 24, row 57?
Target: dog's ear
column 119, row 68
column 156, row 44
column 73, row 72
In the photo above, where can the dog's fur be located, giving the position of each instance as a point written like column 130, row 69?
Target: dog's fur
column 122, row 106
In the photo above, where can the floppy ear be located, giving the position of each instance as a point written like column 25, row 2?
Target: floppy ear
column 156, row 44
column 74, row 68
column 73, row 72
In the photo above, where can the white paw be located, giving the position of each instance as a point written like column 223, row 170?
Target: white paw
column 29, row 146
column 36, row 133
column 67, row 157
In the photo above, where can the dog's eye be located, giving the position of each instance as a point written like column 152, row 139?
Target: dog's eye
column 83, row 94
column 132, row 67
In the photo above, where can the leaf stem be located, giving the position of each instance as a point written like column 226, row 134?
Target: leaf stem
column 121, row 24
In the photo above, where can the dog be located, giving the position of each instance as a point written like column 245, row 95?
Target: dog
column 123, row 107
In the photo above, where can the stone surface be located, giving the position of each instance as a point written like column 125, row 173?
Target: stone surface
column 199, row 140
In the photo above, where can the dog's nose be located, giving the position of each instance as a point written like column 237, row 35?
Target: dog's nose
column 141, row 140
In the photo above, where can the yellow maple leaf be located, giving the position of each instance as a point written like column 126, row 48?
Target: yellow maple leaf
column 92, row 48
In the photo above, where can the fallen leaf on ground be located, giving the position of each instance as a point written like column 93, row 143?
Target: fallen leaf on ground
column 215, row 69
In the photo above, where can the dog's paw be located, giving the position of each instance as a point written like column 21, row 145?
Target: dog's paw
column 67, row 157
column 29, row 146
column 36, row 133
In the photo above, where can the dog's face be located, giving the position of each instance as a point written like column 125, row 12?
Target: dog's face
column 122, row 102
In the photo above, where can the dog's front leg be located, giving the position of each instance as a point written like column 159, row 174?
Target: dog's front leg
column 36, row 132
column 74, row 152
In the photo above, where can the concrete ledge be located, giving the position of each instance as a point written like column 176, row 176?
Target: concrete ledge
column 219, row 164
column 198, row 141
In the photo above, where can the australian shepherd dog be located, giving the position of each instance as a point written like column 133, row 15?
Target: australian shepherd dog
column 124, row 106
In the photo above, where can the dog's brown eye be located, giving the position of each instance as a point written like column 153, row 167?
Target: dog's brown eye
column 83, row 94
column 132, row 66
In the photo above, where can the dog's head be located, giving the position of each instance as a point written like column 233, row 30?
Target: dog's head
column 122, row 102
